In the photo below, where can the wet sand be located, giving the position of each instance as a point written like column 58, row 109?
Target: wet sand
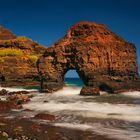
column 18, row 127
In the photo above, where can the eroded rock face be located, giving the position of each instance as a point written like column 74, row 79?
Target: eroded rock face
column 18, row 56
column 6, row 34
column 101, row 58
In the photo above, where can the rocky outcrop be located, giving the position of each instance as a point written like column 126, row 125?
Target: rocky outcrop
column 18, row 57
column 6, row 106
column 42, row 116
column 6, row 34
column 88, row 91
column 102, row 59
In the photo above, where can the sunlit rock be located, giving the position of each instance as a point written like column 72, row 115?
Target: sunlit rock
column 101, row 58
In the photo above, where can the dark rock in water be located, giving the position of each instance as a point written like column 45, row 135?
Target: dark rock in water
column 101, row 58
column 51, row 87
column 45, row 101
column 8, row 105
column 3, row 92
column 19, row 98
column 45, row 117
column 90, row 91
column 18, row 92
column 28, row 110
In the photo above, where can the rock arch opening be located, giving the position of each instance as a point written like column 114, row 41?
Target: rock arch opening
column 72, row 78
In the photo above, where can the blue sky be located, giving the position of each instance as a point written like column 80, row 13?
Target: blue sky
column 46, row 21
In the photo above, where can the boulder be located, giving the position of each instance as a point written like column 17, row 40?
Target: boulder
column 90, row 91
column 45, row 117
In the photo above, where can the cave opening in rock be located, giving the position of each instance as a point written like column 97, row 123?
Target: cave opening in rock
column 72, row 78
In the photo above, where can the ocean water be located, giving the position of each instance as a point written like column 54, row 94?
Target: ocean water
column 109, row 115
column 75, row 82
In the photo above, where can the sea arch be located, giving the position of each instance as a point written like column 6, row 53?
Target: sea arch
column 103, row 60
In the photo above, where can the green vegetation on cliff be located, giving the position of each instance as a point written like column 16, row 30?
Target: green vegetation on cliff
column 33, row 59
column 1, row 60
column 10, row 52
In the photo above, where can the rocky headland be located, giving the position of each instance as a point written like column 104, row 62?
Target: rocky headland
column 18, row 57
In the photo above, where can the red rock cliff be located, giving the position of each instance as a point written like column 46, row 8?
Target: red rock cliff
column 18, row 57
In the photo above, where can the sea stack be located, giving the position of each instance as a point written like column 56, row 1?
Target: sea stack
column 103, row 60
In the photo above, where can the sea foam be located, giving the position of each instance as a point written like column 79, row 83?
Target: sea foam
column 69, row 101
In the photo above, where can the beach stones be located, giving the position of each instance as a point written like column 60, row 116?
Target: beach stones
column 13, row 100
column 8, row 105
column 3, row 135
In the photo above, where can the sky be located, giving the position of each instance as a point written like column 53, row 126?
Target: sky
column 47, row 21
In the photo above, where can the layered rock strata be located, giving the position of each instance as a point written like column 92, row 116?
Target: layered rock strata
column 18, row 57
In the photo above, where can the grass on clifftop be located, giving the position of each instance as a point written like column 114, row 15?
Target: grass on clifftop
column 1, row 60
column 10, row 52
column 33, row 59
